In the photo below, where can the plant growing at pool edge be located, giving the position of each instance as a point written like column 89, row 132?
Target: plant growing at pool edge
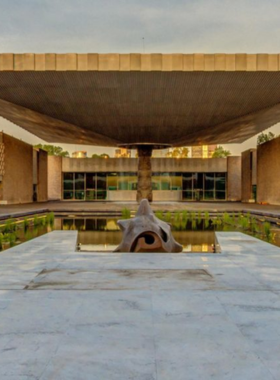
column 168, row 217
column 25, row 223
column 159, row 215
column 126, row 213
column 267, row 231
column 177, row 217
column 185, row 216
column 10, row 226
column 35, row 221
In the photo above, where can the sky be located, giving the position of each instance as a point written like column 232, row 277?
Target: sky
column 109, row 26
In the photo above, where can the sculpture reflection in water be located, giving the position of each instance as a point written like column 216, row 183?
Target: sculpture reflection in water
column 146, row 233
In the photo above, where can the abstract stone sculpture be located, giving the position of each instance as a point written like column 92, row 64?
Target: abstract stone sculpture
column 146, row 233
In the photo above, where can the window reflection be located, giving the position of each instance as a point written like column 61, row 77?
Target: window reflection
column 95, row 186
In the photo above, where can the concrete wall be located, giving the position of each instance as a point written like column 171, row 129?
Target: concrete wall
column 17, row 185
column 248, row 170
column 200, row 165
column 234, row 178
column 268, row 172
column 42, row 176
column 121, row 195
column 35, row 166
column 54, row 178
column 165, row 195
column 254, row 167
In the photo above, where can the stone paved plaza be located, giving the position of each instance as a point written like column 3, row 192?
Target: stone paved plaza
column 66, row 315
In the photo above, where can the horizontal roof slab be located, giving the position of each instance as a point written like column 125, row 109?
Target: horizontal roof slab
column 124, row 99
column 139, row 62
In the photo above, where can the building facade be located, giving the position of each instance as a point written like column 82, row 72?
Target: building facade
column 203, row 151
column 249, row 175
column 268, row 172
column 122, row 152
column 79, row 154
column 172, row 179
column 23, row 172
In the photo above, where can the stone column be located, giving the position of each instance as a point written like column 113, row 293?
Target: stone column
column 144, row 186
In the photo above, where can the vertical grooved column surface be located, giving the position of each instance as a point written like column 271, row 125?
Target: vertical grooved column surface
column 144, row 186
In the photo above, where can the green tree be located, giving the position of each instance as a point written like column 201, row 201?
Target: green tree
column 220, row 152
column 181, row 152
column 53, row 150
column 264, row 137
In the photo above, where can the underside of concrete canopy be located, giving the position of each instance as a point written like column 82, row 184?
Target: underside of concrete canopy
column 145, row 101
column 131, row 99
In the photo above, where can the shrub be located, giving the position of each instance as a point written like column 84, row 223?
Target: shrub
column 35, row 221
column 126, row 213
column 168, row 217
column 10, row 226
column 177, row 217
column 226, row 218
column 25, row 223
column 254, row 225
column 50, row 218
column 185, row 216
column 267, row 230
column 159, row 215
column 193, row 215
column 12, row 239
column 194, row 225
column 244, row 223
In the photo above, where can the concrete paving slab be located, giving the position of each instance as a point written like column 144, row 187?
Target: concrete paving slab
column 69, row 315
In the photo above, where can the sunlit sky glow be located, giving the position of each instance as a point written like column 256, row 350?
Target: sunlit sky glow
column 107, row 26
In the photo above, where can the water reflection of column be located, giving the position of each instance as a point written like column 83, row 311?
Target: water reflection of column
column 144, row 186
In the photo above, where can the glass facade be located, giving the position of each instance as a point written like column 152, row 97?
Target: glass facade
column 204, row 186
column 193, row 186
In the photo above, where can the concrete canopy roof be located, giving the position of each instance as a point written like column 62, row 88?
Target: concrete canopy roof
column 121, row 99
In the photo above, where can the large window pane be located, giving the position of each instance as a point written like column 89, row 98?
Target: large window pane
column 90, row 186
column 209, row 181
column 112, row 181
column 122, row 184
column 176, row 181
column 156, row 181
column 90, row 181
column 208, row 194
column 221, row 195
column 101, row 194
column 80, row 195
column 127, row 181
column 198, row 181
column 79, row 181
column 187, row 181
column 165, row 181
column 101, row 186
column 68, row 194
column 68, row 181
column 220, row 181
column 90, row 195
column 187, row 195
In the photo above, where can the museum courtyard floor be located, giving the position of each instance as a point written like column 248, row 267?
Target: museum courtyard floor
column 67, row 315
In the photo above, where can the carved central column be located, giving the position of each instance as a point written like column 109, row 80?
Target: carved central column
column 144, row 187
